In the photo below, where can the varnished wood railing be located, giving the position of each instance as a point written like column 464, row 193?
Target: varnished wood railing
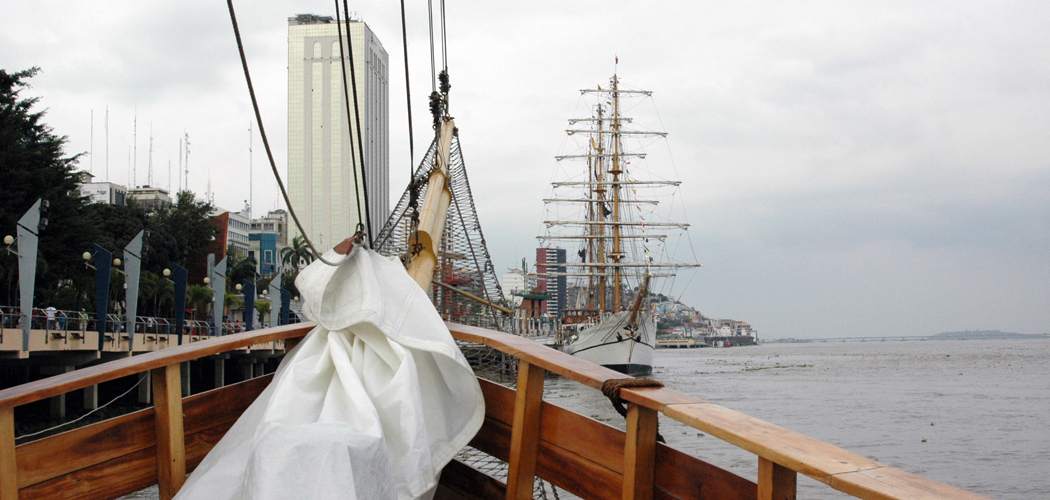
column 782, row 454
column 591, row 459
column 169, row 432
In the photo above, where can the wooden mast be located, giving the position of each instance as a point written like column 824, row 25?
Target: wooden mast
column 433, row 211
column 599, row 190
column 617, row 253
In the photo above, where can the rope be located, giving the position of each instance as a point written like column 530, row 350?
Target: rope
column 611, row 389
column 357, row 113
column 408, row 94
column 86, row 415
column 433, row 67
column 266, row 142
column 444, row 43
column 346, row 101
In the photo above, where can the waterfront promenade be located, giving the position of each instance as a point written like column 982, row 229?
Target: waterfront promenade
column 64, row 341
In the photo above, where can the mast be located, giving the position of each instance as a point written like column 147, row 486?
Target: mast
column 616, row 251
column 599, row 194
column 617, row 254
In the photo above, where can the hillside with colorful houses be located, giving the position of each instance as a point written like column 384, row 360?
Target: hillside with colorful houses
column 680, row 325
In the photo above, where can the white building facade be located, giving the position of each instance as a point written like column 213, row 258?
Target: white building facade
column 321, row 157
column 516, row 281
column 102, row 192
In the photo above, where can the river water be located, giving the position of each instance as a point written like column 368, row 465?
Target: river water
column 972, row 414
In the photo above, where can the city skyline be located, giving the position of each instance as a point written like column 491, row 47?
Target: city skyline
column 848, row 169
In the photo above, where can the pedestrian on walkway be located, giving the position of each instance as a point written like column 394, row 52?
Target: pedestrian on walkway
column 50, row 313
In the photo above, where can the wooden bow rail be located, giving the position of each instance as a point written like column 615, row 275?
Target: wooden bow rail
column 588, row 458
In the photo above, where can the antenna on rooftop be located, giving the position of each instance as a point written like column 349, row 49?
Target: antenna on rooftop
column 186, row 164
column 135, row 138
column 107, row 143
column 91, row 166
column 149, row 173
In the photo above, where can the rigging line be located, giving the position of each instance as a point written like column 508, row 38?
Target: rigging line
column 433, row 67
column 463, row 222
column 266, row 142
column 408, row 93
column 346, row 101
column 444, row 43
column 86, row 415
column 357, row 118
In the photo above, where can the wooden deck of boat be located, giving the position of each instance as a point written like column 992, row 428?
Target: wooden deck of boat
column 588, row 458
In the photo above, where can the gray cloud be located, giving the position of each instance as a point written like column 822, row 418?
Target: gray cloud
column 848, row 167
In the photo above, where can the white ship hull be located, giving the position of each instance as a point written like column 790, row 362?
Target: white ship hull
column 613, row 344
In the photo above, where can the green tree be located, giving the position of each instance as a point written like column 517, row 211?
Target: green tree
column 114, row 225
column 262, row 309
column 239, row 269
column 35, row 166
column 199, row 298
column 288, row 283
column 296, row 254
column 232, row 302
column 156, row 295
column 179, row 233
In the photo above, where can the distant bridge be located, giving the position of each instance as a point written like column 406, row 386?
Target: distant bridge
column 900, row 338
column 880, row 338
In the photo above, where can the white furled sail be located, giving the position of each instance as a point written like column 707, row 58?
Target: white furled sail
column 370, row 405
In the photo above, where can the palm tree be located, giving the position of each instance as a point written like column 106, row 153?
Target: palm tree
column 263, row 308
column 151, row 286
column 199, row 298
column 232, row 302
column 299, row 252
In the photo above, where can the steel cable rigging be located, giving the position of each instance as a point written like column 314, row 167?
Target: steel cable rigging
column 266, row 142
column 349, row 121
column 357, row 117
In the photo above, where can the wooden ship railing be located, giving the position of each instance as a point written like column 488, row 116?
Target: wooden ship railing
column 159, row 445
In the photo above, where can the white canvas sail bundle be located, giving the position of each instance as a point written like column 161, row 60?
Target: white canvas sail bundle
column 370, row 405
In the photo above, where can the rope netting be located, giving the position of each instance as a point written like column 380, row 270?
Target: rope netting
column 464, row 263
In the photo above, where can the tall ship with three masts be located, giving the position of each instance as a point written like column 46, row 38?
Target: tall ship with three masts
column 607, row 212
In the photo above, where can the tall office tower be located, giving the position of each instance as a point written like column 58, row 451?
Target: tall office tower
column 552, row 260
column 321, row 157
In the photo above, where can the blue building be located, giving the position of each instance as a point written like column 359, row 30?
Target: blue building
column 264, row 248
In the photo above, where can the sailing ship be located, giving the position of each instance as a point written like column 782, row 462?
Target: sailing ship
column 530, row 437
column 618, row 235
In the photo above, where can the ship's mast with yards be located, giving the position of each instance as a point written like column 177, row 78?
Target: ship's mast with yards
column 607, row 232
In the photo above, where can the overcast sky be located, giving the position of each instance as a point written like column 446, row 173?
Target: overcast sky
column 849, row 168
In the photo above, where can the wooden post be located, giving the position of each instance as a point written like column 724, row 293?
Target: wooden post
column 525, row 433
column 186, row 379
column 639, row 454
column 145, row 390
column 171, row 442
column 91, row 397
column 775, row 482
column 8, row 466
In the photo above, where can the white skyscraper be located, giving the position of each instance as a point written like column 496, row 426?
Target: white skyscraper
column 320, row 158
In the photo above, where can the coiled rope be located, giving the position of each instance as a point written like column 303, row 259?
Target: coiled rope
column 611, row 388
